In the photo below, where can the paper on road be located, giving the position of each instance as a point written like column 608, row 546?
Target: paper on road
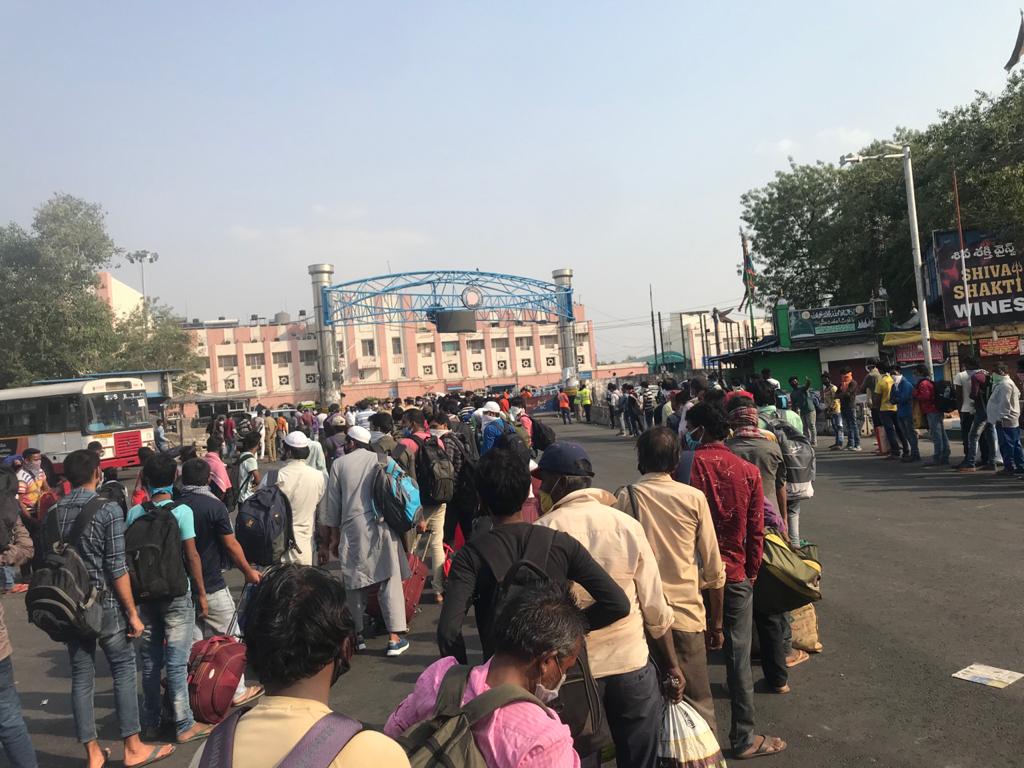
column 990, row 676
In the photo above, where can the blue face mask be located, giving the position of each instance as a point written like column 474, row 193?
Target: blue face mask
column 691, row 441
column 168, row 489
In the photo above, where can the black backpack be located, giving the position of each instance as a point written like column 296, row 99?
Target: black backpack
column 113, row 490
column 945, row 397
column 579, row 703
column 232, row 494
column 263, row 526
column 542, row 435
column 152, row 546
column 435, row 473
column 465, row 495
column 61, row 599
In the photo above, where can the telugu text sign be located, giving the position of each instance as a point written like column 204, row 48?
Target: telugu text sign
column 985, row 279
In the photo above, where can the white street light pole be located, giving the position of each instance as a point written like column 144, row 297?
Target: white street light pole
column 142, row 258
column 915, row 238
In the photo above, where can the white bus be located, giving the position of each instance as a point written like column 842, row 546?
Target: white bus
column 60, row 418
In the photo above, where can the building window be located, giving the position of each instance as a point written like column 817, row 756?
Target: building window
column 401, row 372
column 204, row 363
column 428, row 370
column 282, row 358
column 396, row 345
column 450, row 347
column 255, row 361
column 478, row 367
column 525, row 363
column 257, row 381
column 579, row 359
column 227, row 361
column 368, row 347
column 307, row 356
column 453, row 367
column 282, row 381
column 229, row 383
column 425, row 350
column 341, row 349
column 549, row 341
column 311, row 378
column 524, row 342
column 499, row 345
column 475, row 346
column 549, row 361
column 502, row 365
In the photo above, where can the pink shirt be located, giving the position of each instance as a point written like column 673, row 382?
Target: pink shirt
column 519, row 735
column 218, row 472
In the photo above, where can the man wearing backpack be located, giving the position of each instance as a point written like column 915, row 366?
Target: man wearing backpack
column 168, row 617
column 460, row 511
column 494, row 426
column 370, row 552
column 435, row 475
column 537, row 637
column 220, row 481
column 977, row 388
column 101, row 547
column 299, row 641
column 618, row 654
column 925, row 397
column 244, row 474
column 217, row 546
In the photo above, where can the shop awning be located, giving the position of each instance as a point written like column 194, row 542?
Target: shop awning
column 896, row 338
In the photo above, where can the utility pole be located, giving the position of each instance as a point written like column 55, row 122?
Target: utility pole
column 718, row 342
column 749, row 280
column 915, row 244
column 661, row 335
column 963, row 262
column 142, row 258
column 703, row 339
column 682, row 342
column 654, row 336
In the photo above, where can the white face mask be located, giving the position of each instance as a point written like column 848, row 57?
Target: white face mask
column 547, row 695
column 897, row 378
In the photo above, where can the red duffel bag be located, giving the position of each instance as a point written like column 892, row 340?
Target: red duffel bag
column 214, row 668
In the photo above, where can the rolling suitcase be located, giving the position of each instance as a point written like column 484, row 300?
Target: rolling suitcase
column 412, row 587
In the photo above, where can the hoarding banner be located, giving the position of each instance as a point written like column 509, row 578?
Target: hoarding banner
column 914, row 353
column 994, row 272
column 830, row 321
column 1005, row 346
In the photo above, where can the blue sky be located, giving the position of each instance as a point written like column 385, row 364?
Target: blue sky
column 244, row 141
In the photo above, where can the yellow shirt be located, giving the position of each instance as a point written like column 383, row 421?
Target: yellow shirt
column 677, row 521
column 268, row 732
column 882, row 389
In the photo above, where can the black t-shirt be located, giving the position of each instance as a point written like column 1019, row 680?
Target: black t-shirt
column 472, row 582
column 211, row 522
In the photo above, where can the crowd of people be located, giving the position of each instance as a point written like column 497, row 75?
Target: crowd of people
column 572, row 587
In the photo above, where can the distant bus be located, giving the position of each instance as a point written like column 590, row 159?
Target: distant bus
column 61, row 418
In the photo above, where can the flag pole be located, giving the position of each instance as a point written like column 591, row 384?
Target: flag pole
column 748, row 280
column 963, row 264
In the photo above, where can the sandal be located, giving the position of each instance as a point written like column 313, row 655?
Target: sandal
column 154, row 757
column 783, row 689
column 798, row 658
column 106, row 757
column 199, row 735
column 251, row 692
column 770, row 745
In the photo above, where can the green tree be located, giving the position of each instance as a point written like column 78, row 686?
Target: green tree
column 156, row 342
column 51, row 323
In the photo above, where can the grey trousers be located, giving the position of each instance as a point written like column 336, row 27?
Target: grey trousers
column 392, row 605
column 738, row 627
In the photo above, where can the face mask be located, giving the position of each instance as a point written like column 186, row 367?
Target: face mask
column 547, row 695
column 406, row 432
column 546, row 502
column 996, row 379
column 168, row 489
column 897, row 378
column 691, row 441
column 438, row 432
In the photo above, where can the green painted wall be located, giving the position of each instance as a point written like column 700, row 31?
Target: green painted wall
column 803, row 363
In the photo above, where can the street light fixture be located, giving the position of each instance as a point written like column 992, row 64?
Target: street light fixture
column 142, row 258
column 915, row 239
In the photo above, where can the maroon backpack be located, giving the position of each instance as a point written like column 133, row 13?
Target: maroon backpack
column 214, row 668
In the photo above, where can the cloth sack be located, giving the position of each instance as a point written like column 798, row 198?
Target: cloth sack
column 805, row 629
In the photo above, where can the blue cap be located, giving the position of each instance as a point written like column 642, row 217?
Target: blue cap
column 565, row 459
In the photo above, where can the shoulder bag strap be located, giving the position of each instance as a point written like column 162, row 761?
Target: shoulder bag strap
column 631, row 489
column 322, row 743
column 685, row 468
column 84, row 519
column 487, row 702
column 220, row 746
column 538, row 546
column 453, row 687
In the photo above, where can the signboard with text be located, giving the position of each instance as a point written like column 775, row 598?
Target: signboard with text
column 914, row 352
column 985, row 278
column 1005, row 346
column 830, row 321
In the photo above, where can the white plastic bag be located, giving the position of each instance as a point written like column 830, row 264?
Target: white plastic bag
column 686, row 740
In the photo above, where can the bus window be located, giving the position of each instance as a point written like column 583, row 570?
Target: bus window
column 112, row 411
column 18, row 417
column 62, row 414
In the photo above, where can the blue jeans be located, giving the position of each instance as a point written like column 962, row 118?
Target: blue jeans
column 889, row 425
column 169, row 621
column 910, row 435
column 852, row 428
column 13, row 731
column 8, row 574
column 837, row 428
column 940, row 440
column 121, row 659
column 980, row 428
column 1010, row 448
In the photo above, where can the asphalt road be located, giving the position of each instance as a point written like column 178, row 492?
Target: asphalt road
column 922, row 576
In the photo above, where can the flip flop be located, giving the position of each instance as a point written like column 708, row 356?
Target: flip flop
column 763, row 750
column 799, row 658
column 154, row 756
column 196, row 737
column 106, row 757
column 252, row 692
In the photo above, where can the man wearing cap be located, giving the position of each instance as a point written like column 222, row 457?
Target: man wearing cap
column 618, row 653
column 304, row 487
column 494, row 426
column 367, row 548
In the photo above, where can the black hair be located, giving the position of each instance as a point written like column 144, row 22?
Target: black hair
column 766, row 373
column 711, row 417
column 296, row 624
column 739, row 401
column 922, row 370
column 503, row 481
column 1000, row 368
column 110, row 473
column 297, row 453
column 763, row 392
column 539, row 621
column 160, row 470
column 250, row 441
column 144, row 453
column 414, row 416
column 438, row 418
column 698, row 383
column 679, row 398
column 971, row 362
column 715, row 396
column 188, row 452
column 846, row 369
column 96, row 446
column 894, row 368
column 517, row 401
column 382, row 422
column 195, row 472
column 657, row 450
column 30, row 452
column 214, row 444
column 80, row 467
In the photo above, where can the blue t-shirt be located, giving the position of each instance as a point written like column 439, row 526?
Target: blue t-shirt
column 182, row 513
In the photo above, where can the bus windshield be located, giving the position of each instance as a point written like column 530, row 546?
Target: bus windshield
column 112, row 411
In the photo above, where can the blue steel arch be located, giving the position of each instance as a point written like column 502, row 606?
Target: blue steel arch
column 409, row 297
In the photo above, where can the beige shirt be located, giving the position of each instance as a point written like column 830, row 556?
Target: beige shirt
column 677, row 521
column 269, row 731
column 304, row 487
column 618, row 544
